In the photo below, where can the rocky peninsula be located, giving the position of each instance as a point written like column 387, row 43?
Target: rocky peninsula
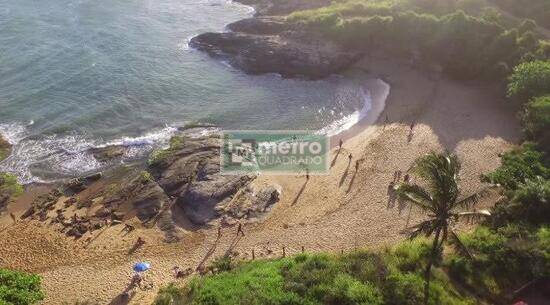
column 268, row 43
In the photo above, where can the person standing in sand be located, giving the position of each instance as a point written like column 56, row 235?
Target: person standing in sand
column 240, row 229
column 340, row 144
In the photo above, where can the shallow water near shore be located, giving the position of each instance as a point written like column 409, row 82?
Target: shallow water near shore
column 78, row 74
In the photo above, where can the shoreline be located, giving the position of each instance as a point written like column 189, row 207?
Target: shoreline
column 338, row 212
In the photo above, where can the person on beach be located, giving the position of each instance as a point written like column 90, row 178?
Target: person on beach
column 240, row 229
column 307, row 174
column 140, row 242
column 340, row 144
column 411, row 132
column 350, row 157
column 396, row 176
column 356, row 165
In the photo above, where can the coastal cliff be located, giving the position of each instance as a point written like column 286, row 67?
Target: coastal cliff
column 268, row 43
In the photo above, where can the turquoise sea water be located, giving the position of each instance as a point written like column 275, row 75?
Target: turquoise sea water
column 75, row 74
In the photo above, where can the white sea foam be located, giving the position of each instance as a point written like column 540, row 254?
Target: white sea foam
column 348, row 121
column 48, row 158
column 12, row 132
column 369, row 111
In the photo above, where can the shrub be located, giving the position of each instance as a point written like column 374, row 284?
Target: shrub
column 530, row 79
column 519, row 166
column 170, row 295
column 9, row 186
column 536, row 121
column 19, row 288
column 160, row 155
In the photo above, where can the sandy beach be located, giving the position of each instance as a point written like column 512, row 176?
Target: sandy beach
column 338, row 212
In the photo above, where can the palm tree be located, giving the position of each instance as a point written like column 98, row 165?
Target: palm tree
column 439, row 197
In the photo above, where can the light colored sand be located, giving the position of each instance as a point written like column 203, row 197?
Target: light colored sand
column 341, row 211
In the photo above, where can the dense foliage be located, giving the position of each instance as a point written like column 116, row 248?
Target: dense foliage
column 536, row 121
column 504, row 258
column 529, row 80
column 464, row 45
column 9, row 188
column 389, row 277
column 18, row 288
column 538, row 10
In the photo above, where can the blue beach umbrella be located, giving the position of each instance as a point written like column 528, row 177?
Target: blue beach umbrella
column 142, row 266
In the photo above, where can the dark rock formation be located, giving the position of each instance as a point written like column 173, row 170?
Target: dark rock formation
column 258, row 54
column 270, row 44
column 5, row 148
column 191, row 175
column 108, row 153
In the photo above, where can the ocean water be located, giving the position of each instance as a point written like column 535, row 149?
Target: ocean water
column 76, row 74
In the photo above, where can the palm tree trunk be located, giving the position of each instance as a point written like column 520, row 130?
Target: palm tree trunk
column 431, row 260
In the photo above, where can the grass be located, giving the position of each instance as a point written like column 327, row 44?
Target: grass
column 392, row 276
column 9, row 185
column 160, row 155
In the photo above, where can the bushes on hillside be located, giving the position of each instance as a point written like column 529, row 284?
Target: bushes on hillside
column 534, row 9
column 529, row 80
column 393, row 276
column 503, row 259
column 536, row 121
column 18, row 288
column 464, row 45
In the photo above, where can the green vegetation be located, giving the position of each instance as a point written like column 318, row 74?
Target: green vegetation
column 5, row 148
column 9, row 188
column 525, row 179
column 529, row 80
column 160, row 155
column 503, row 259
column 441, row 201
column 519, row 166
column 145, row 177
column 511, row 249
column 464, row 45
column 391, row 276
column 18, row 288
column 538, row 10
column 536, row 121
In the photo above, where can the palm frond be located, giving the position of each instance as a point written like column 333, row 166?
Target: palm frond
column 459, row 247
column 474, row 215
column 440, row 171
column 417, row 195
column 473, row 199
column 425, row 228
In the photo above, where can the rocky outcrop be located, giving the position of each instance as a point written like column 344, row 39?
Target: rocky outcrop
column 289, row 57
column 271, row 44
column 108, row 153
column 249, row 203
column 5, row 148
column 186, row 174
column 191, row 175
